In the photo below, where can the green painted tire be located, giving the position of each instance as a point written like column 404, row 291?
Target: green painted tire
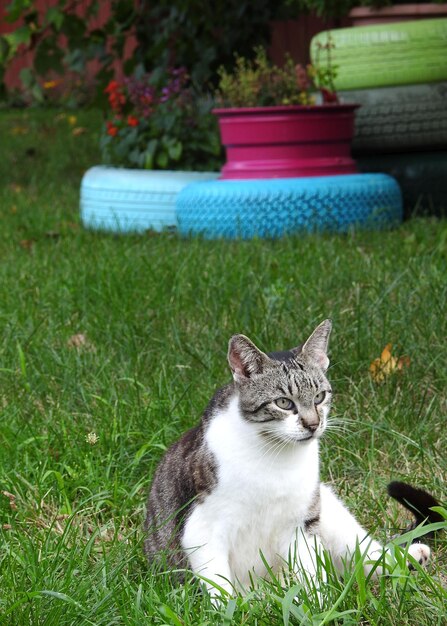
column 402, row 53
column 396, row 119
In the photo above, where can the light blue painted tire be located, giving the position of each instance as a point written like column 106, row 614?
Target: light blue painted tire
column 123, row 200
column 273, row 208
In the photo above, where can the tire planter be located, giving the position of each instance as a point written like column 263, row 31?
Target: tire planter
column 402, row 53
column 422, row 177
column 396, row 119
column 123, row 200
column 273, row 208
column 287, row 141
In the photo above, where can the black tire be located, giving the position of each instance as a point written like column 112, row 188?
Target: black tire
column 422, row 177
column 396, row 119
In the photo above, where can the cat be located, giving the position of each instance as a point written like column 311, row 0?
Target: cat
column 242, row 488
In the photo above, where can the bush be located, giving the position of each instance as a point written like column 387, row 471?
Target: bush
column 65, row 36
column 158, row 121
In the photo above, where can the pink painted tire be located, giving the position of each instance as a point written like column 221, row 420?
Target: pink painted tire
column 287, row 141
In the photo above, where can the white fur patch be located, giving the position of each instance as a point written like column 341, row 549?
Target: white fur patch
column 263, row 493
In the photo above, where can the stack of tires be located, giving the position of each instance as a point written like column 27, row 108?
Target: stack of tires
column 398, row 73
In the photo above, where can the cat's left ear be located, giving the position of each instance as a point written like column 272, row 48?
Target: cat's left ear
column 316, row 347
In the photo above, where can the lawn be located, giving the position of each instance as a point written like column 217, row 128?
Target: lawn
column 112, row 346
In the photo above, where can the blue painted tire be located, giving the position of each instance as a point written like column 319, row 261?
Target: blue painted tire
column 273, row 208
column 123, row 200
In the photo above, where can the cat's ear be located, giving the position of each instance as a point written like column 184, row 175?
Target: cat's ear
column 244, row 358
column 316, row 347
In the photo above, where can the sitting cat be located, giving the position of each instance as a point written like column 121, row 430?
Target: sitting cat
column 242, row 488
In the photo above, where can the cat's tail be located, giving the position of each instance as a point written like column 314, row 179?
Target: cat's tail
column 418, row 501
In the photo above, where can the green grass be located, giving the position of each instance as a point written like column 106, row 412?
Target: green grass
column 156, row 313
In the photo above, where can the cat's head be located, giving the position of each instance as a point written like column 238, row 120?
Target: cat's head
column 286, row 394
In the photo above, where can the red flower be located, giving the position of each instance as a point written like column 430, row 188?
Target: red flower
column 117, row 98
column 112, row 86
column 132, row 120
column 112, row 130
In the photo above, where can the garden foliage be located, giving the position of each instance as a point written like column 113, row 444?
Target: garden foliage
column 198, row 35
column 158, row 121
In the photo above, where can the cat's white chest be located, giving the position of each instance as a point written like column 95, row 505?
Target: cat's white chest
column 263, row 494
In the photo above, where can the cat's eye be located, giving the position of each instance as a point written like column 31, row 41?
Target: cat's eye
column 318, row 399
column 284, row 403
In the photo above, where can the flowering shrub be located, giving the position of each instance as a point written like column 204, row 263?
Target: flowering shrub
column 158, row 122
column 260, row 83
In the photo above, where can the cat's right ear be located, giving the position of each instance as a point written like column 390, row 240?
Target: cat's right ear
column 244, row 358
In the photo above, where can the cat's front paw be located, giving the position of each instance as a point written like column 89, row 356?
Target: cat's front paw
column 420, row 553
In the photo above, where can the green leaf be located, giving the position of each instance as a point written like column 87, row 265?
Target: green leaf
column 61, row 596
column 162, row 160
column 37, row 93
column 166, row 611
column 4, row 50
column 420, row 531
column 22, row 361
column 21, row 35
column 16, row 9
column 27, row 77
column 75, row 59
column 54, row 16
column 286, row 604
column 150, row 153
column 441, row 510
column 175, row 150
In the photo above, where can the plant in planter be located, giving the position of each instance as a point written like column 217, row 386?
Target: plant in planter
column 158, row 121
column 276, row 123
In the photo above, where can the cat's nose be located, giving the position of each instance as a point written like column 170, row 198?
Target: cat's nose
column 311, row 422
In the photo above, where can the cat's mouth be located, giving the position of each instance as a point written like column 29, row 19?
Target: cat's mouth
column 290, row 439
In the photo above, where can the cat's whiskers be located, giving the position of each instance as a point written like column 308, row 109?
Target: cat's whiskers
column 270, row 447
column 279, row 442
column 279, row 451
column 336, row 428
